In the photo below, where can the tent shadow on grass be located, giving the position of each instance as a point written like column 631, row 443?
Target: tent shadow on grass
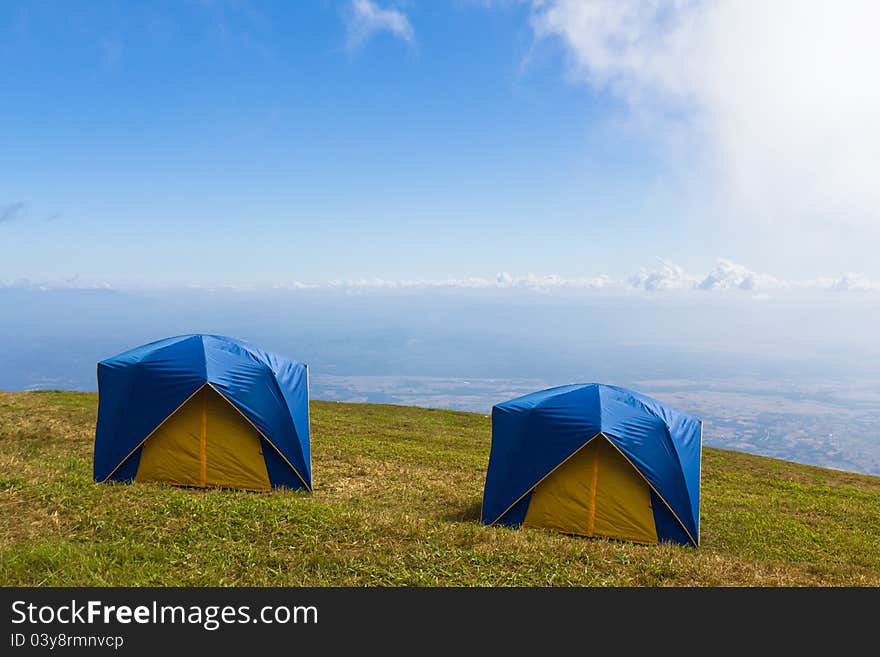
column 469, row 513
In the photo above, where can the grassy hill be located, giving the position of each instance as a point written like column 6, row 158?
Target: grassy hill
column 396, row 502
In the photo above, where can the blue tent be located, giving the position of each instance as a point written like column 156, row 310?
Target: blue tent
column 203, row 410
column 595, row 460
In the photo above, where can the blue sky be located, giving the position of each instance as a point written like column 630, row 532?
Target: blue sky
column 180, row 143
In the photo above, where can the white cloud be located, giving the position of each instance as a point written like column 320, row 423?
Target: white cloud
column 294, row 285
column 668, row 276
column 730, row 275
column 72, row 283
column 852, row 282
column 774, row 104
column 531, row 281
column 502, row 281
column 365, row 19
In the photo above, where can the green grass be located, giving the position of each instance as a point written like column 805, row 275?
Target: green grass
column 396, row 502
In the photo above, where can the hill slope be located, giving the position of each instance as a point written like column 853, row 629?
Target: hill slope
column 396, row 502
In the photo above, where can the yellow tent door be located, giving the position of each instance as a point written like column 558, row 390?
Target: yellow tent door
column 205, row 442
column 595, row 492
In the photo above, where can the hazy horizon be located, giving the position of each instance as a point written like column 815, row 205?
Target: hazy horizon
column 787, row 377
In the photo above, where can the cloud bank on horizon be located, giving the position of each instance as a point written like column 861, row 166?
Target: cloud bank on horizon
column 726, row 275
column 665, row 277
